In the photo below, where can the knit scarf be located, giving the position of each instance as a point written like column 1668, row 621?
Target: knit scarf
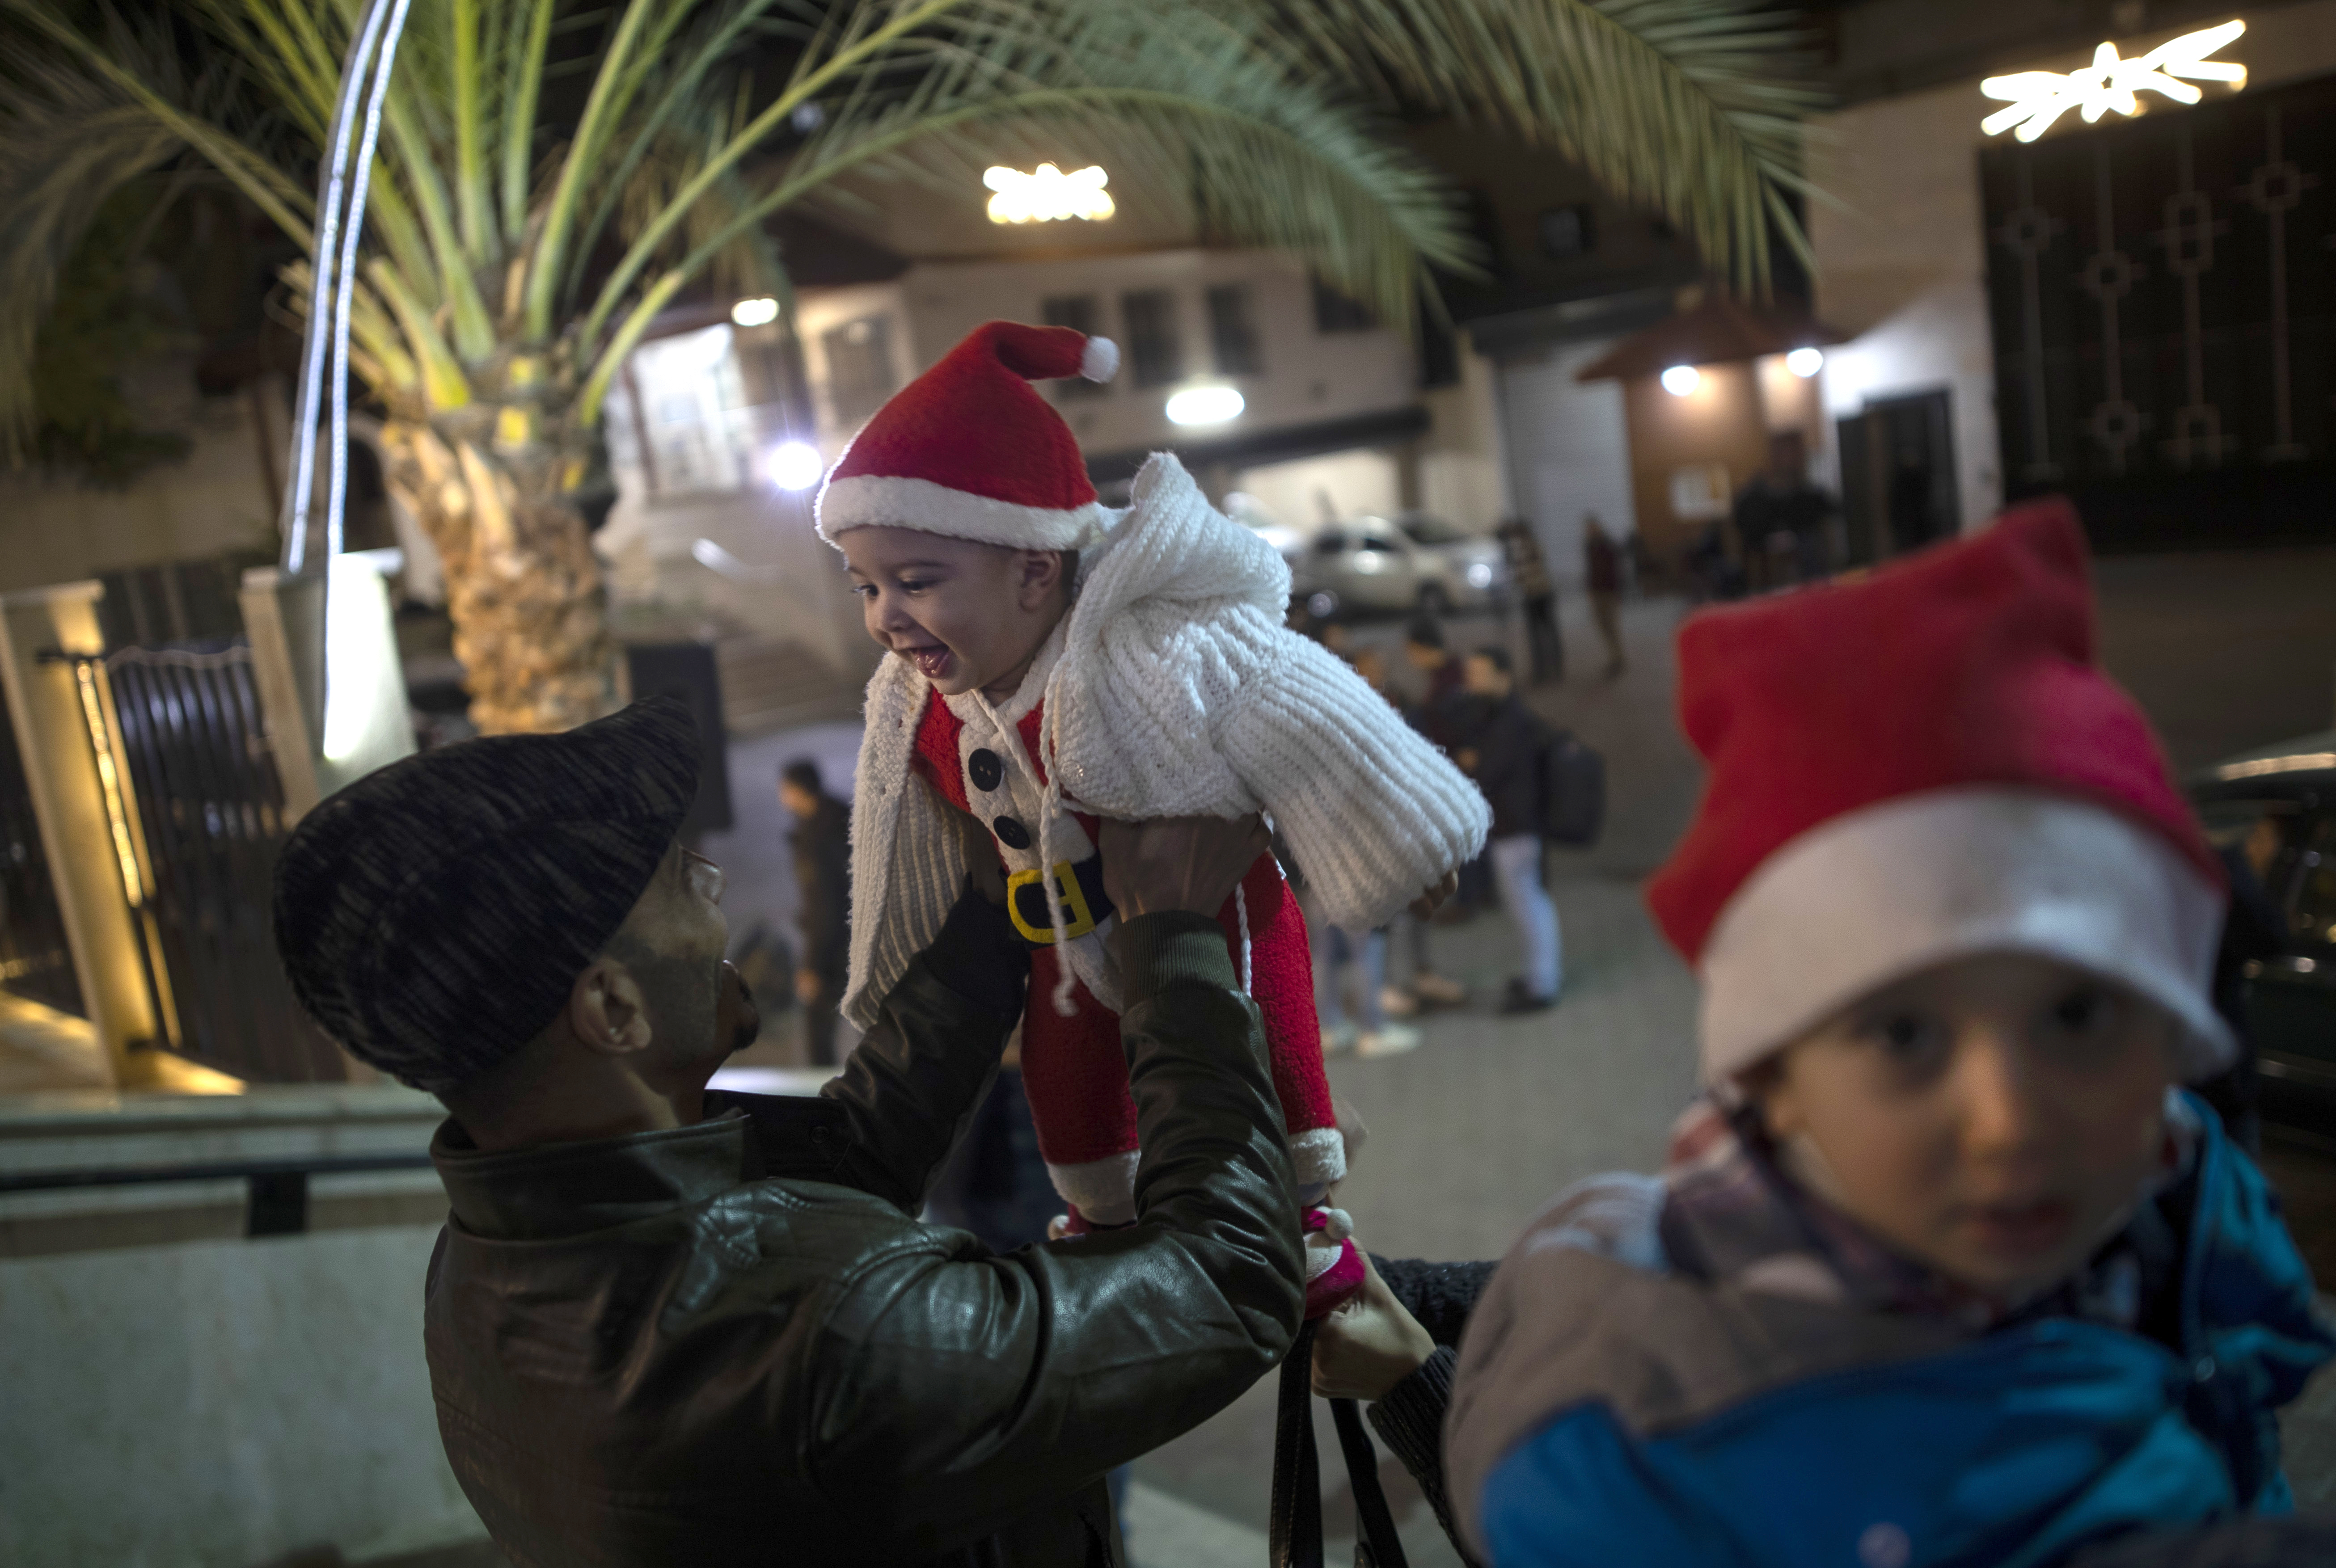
column 1733, row 1213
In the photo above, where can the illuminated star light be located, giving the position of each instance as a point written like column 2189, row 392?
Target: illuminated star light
column 2037, row 98
column 1046, row 194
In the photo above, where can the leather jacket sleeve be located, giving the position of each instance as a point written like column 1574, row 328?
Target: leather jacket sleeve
column 915, row 1079
column 1000, row 1382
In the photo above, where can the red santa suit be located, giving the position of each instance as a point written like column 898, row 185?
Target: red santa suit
column 1073, row 1067
column 1170, row 687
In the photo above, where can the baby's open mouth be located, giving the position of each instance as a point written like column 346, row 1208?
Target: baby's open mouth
column 931, row 659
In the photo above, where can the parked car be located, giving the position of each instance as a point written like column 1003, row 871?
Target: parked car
column 2273, row 811
column 1410, row 561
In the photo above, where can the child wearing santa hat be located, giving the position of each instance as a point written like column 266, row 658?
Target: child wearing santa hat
column 1945, row 1268
column 1054, row 663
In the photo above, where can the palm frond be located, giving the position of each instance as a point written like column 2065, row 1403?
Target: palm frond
column 1691, row 107
column 67, row 144
column 1190, row 98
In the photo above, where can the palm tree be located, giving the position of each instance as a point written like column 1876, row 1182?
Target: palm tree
column 511, row 264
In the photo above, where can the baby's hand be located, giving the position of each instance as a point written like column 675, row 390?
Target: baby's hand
column 1429, row 902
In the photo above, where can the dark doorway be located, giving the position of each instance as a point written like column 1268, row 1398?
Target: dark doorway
column 1898, row 476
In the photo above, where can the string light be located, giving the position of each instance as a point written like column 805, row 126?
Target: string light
column 2037, row 98
column 1046, row 194
column 754, row 312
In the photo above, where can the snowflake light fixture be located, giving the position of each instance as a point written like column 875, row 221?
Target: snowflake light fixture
column 1046, row 194
column 2037, row 98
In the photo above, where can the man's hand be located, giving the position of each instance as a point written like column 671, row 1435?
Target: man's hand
column 1368, row 1343
column 1189, row 863
column 1432, row 899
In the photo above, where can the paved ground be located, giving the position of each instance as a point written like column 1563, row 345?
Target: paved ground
column 1472, row 1133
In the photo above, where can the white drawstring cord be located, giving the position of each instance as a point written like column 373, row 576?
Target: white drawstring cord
column 1241, row 909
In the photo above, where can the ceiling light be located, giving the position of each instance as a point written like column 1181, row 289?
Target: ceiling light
column 754, row 312
column 1205, row 405
column 1682, row 379
column 1046, row 194
column 1804, row 362
column 796, row 465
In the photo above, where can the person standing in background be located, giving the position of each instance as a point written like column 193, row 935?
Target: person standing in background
column 1409, row 933
column 1784, row 521
column 1530, row 568
column 1507, row 753
column 823, row 848
column 1424, row 649
column 1601, row 566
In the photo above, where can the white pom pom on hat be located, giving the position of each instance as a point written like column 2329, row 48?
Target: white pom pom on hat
column 1099, row 360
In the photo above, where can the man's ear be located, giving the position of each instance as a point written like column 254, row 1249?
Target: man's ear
column 607, row 1011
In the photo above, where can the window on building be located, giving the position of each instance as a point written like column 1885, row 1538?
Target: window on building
column 1154, row 357
column 1567, row 232
column 1336, row 311
column 1233, row 334
column 1081, row 313
column 686, row 410
column 859, row 367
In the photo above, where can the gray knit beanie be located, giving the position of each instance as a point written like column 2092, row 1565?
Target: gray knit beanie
column 433, row 916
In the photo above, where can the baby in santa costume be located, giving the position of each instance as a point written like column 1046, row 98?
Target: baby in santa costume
column 1945, row 1267
column 1053, row 663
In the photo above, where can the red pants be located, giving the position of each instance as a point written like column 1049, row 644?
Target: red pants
column 1075, row 1071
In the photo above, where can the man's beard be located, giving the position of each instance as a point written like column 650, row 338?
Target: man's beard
column 684, row 1001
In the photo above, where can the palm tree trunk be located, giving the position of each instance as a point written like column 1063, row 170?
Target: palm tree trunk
column 522, row 586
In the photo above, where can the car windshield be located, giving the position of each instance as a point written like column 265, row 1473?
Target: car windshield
column 1426, row 529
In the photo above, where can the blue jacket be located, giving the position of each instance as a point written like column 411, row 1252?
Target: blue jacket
column 1608, row 1411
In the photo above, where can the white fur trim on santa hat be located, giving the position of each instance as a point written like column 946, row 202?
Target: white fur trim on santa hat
column 1882, row 893
column 884, row 500
column 1099, row 360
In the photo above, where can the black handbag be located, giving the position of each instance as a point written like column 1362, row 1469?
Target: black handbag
column 1294, row 1527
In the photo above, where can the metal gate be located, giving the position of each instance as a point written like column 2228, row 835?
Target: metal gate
column 196, row 810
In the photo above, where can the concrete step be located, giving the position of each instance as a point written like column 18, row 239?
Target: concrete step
column 772, row 683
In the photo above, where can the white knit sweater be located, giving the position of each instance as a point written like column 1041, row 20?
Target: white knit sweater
column 1179, row 693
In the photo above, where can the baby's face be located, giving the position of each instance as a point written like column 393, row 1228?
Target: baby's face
column 1992, row 1117
column 967, row 615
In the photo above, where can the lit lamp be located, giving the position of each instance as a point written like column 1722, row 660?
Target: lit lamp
column 1682, row 379
column 1804, row 362
column 794, row 465
column 1205, row 405
column 754, row 312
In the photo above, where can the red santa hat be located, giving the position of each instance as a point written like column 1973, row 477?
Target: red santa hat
column 970, row 449
column 1919, row 765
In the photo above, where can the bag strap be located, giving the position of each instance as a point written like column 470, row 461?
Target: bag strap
column 1294, row 1525
column 1293, row 1529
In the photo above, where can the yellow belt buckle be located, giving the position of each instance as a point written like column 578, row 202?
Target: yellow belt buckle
column 1077, row 919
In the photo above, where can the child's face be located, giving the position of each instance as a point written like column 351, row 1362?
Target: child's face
column 1991, row 1117
column 967, row 616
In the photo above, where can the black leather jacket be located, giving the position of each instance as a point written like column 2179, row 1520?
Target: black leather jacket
column 734, row 1343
